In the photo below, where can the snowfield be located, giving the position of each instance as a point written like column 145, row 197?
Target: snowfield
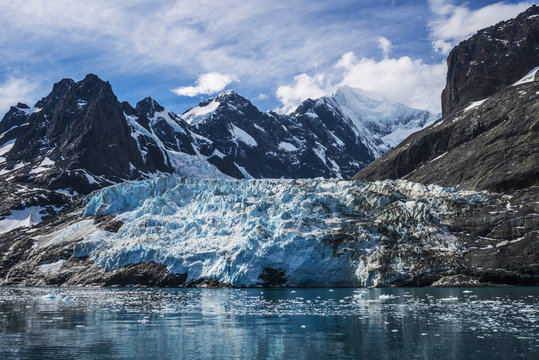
column 293, row 232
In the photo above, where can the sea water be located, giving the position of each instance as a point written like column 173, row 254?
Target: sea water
column 403, row 323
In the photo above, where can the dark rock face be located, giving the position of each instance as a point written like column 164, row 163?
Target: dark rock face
column 494, row 146
column 492, row 59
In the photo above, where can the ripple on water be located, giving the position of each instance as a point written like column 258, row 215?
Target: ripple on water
column 346, row 321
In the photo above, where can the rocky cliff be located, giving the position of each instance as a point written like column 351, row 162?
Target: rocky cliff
column 491, row 143
column 490, row 60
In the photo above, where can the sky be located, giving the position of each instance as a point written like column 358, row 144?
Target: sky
column 276, row 53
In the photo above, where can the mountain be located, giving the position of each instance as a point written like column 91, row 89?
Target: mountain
column 330, row 137
column 75, row 140
column 80, row 138
column 491, row 142
column 490, row 60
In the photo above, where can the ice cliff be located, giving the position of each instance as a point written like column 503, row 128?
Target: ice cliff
column 271, row 232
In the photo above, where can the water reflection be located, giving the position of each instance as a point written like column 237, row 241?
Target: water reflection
column 66, row 323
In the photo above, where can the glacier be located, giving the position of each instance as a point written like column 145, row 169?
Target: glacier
column 270, row 232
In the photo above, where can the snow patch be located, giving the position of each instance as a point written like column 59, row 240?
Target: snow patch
column 242, row 136
column 81, row 104
column 244, row 172
column 4, row 149
column 67, row 192
column 286, row 146
column 52, row 268
column 474, row 104
column 199, row 114
column 16, row 167
column 529, row 77
column 43, row 166
column 21, row 218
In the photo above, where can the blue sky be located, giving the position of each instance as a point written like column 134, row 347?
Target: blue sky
column 276, row 53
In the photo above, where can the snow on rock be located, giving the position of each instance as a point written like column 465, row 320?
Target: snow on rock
column 244, row 172
column 313, row 232
column 474, row 104
column 51, row 268
column 286, row 146
column 67, row 192
column 4, row 149
column 43, row 166
column 242, row 136
column 529, row 77
column 21, row 218
column 376, row 121
column 199, row 114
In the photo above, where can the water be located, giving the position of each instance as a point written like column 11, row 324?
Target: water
column 73, row 323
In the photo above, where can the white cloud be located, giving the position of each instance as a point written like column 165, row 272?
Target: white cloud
column 453, row 23
column 257, row 41
column 385, row 45
column 262, row 96
column 404, row 80
column 14, row 90
column 442, row 47
column 207, row 84
column 304, row 87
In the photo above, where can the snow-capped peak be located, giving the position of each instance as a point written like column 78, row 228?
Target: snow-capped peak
column 361, row 95
column 379, row 122
column 205, row 109
column 148, row 107
column 201, row 112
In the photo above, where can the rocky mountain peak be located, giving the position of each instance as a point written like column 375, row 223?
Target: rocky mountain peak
column 229, row 104
column 59, row 89
column 230, row 95
column 92, row 86
column 148, row 107
column 493, row 58
column 22, row 106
